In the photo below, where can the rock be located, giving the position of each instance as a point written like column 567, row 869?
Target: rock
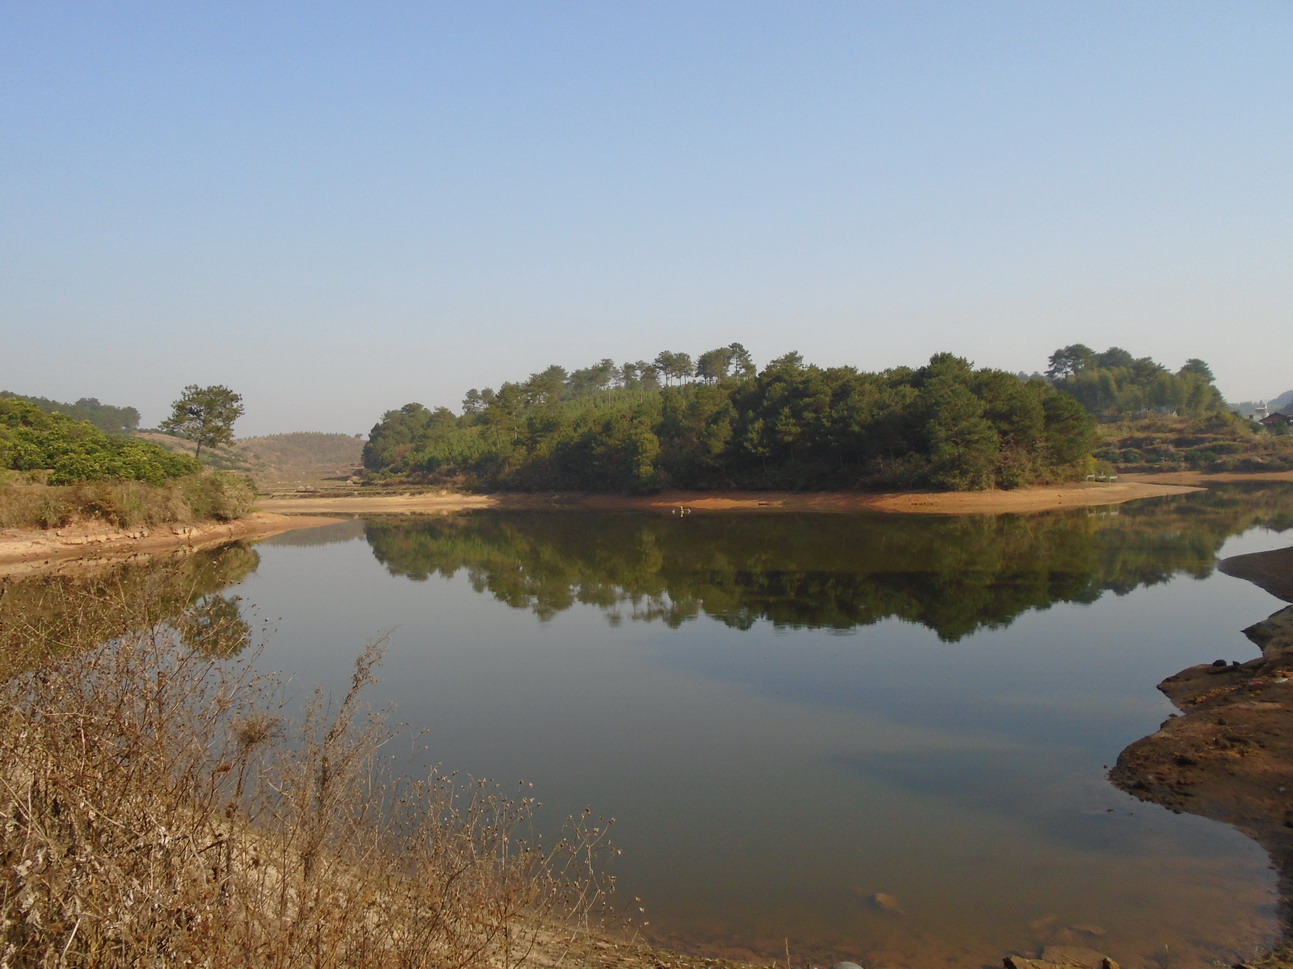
column 1077, row 957
column 887, row 903
column 1044, row 925
column 1273, row 634
column 846, row 965
column 1062, row 957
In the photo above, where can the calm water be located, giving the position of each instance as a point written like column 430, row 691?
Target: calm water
column 788, row 714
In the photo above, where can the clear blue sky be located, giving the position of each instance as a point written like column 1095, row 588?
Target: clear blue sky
column 336, row 208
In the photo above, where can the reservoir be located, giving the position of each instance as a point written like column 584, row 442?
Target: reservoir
column 877, row 738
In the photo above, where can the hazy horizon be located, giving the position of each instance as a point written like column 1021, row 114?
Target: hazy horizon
column 336, row 209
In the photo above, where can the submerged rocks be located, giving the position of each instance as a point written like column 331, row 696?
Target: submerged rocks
column 1062, row 957
column 887, row 903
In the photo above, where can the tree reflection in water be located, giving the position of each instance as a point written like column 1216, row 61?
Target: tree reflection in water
column 52, row 614
column 953, row 575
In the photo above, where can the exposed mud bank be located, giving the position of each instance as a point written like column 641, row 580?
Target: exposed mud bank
column 88, row 546
column 1229, row 755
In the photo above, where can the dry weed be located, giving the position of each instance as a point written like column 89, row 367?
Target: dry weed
column 159, row 809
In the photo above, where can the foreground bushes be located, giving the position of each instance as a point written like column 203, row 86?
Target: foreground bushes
column 67, row 450
column 158, row 809
column 28, row 503
column 55, row 471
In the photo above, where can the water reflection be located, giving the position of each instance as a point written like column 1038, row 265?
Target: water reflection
column 776, row 777
column 48, row 614
column 952, row 575
column 772, row 779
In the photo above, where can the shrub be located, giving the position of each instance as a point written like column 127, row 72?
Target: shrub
column 71, row 451
column 27, row 503
column 221, row 495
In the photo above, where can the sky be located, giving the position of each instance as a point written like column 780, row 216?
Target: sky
column 337, row 208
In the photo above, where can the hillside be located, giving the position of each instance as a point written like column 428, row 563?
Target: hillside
column 1220, row 443
column 299, row 461
column 220, row 458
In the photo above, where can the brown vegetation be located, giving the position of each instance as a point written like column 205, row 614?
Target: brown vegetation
column 27, row 503
column 1215, row 444
column 163, row 806
column 301, row 461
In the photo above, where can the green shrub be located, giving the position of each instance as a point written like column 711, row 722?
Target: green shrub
column 71, row 451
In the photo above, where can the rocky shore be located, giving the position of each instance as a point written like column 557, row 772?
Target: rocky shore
column 1229, row 754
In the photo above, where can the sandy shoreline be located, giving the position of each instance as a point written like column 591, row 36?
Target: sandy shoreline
column 1035, row 499
column 87, row 546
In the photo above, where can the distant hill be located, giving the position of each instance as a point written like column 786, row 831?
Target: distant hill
column 220, row 458
column 1281, row 404
column 304, row 459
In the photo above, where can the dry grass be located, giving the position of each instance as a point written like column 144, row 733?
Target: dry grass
column 1214, row 444
column 159, row 808
column 27, row 503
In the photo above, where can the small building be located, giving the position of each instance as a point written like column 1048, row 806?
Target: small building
column 1276, row 420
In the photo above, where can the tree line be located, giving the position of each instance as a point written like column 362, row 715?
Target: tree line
column 716, row 422
column 105, row 417
column 1116, row 386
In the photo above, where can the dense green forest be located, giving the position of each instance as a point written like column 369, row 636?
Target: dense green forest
column 1115, row 386
column 105, row 417
column 716, row 423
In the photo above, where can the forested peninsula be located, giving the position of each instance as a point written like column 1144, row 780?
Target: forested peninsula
column 719, row 424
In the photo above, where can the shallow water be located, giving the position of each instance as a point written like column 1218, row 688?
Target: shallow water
column 789, row 715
